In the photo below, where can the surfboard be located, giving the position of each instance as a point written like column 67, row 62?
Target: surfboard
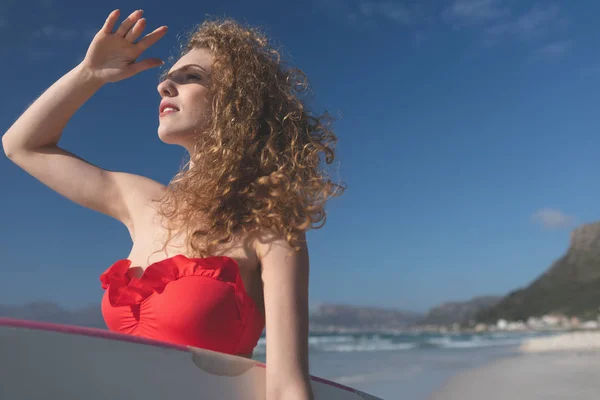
column 50, row 361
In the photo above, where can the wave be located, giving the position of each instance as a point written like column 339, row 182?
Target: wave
column 475, row 342
column 369, row 346
column 404, row 342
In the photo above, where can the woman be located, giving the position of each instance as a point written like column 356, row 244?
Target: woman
column 220, row 252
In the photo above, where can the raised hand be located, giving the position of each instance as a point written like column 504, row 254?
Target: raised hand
column 112, row 56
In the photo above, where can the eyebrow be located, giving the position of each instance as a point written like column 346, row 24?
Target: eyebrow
column 187, row 66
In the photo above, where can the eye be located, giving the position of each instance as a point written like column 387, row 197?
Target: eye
column 194, row 76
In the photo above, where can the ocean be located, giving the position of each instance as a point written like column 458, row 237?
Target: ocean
column 402, row 366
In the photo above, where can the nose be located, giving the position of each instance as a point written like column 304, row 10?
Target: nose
column 167, row 88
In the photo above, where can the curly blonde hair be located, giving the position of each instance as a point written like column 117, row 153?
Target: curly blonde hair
column 258, row 165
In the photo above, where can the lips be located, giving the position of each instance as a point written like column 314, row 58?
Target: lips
column 167, row 108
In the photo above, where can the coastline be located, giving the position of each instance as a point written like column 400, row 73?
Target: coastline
column 560, row 366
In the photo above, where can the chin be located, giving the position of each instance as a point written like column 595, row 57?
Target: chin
column 167, row 139
column 168, row 136
column 174, row 138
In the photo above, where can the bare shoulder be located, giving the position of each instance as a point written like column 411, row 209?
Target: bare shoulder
column 274, row 245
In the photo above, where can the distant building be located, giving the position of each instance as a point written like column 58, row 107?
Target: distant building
column 552, row 320
column 516, row 326
column 590, row 325
column 535, row 323
column 502, row 324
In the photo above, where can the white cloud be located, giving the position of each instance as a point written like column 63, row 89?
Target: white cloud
column 394, row 11
column 495, row 22
column 55, row 32
column 552, row 50
column 539, row 20
column 467, row 12
column 370, row 11
column 552, row 218
column 534, row 24
column 491, row 22
column 59, row 33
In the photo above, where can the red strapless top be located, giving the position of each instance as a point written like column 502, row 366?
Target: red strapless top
column 198, row 302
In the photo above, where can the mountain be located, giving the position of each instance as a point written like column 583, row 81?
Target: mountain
column 571, row 285
column 89, row 316
column 337, row 316
column 459, row 312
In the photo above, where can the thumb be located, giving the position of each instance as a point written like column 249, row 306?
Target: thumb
column 143, row 65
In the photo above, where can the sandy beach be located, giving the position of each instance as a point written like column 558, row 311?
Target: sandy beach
column 573, row 341
column 565, row 366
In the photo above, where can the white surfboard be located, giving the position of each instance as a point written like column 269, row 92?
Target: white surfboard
column 49, row 361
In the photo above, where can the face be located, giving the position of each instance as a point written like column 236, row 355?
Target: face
column 185, row 105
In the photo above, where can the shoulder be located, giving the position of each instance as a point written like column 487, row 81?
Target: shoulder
column 271, row 245
column 284, row 268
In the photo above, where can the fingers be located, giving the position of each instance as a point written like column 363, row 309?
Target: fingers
column 129, row 22
column 132, row 27
column 109, row 24
column 152, row 38
column 136, row 31
column 145, row 64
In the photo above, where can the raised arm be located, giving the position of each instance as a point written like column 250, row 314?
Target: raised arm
column 32, row 141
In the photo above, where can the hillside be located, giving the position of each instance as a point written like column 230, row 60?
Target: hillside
column 459, row 312
column 335, row 316
column 570, row 286
column 89, row 316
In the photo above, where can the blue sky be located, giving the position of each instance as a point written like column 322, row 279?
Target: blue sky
column 468, row 138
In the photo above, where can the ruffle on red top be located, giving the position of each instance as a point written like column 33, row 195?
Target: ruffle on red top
column 124, row 289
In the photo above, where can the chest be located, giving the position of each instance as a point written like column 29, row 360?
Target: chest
column 148, row 248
